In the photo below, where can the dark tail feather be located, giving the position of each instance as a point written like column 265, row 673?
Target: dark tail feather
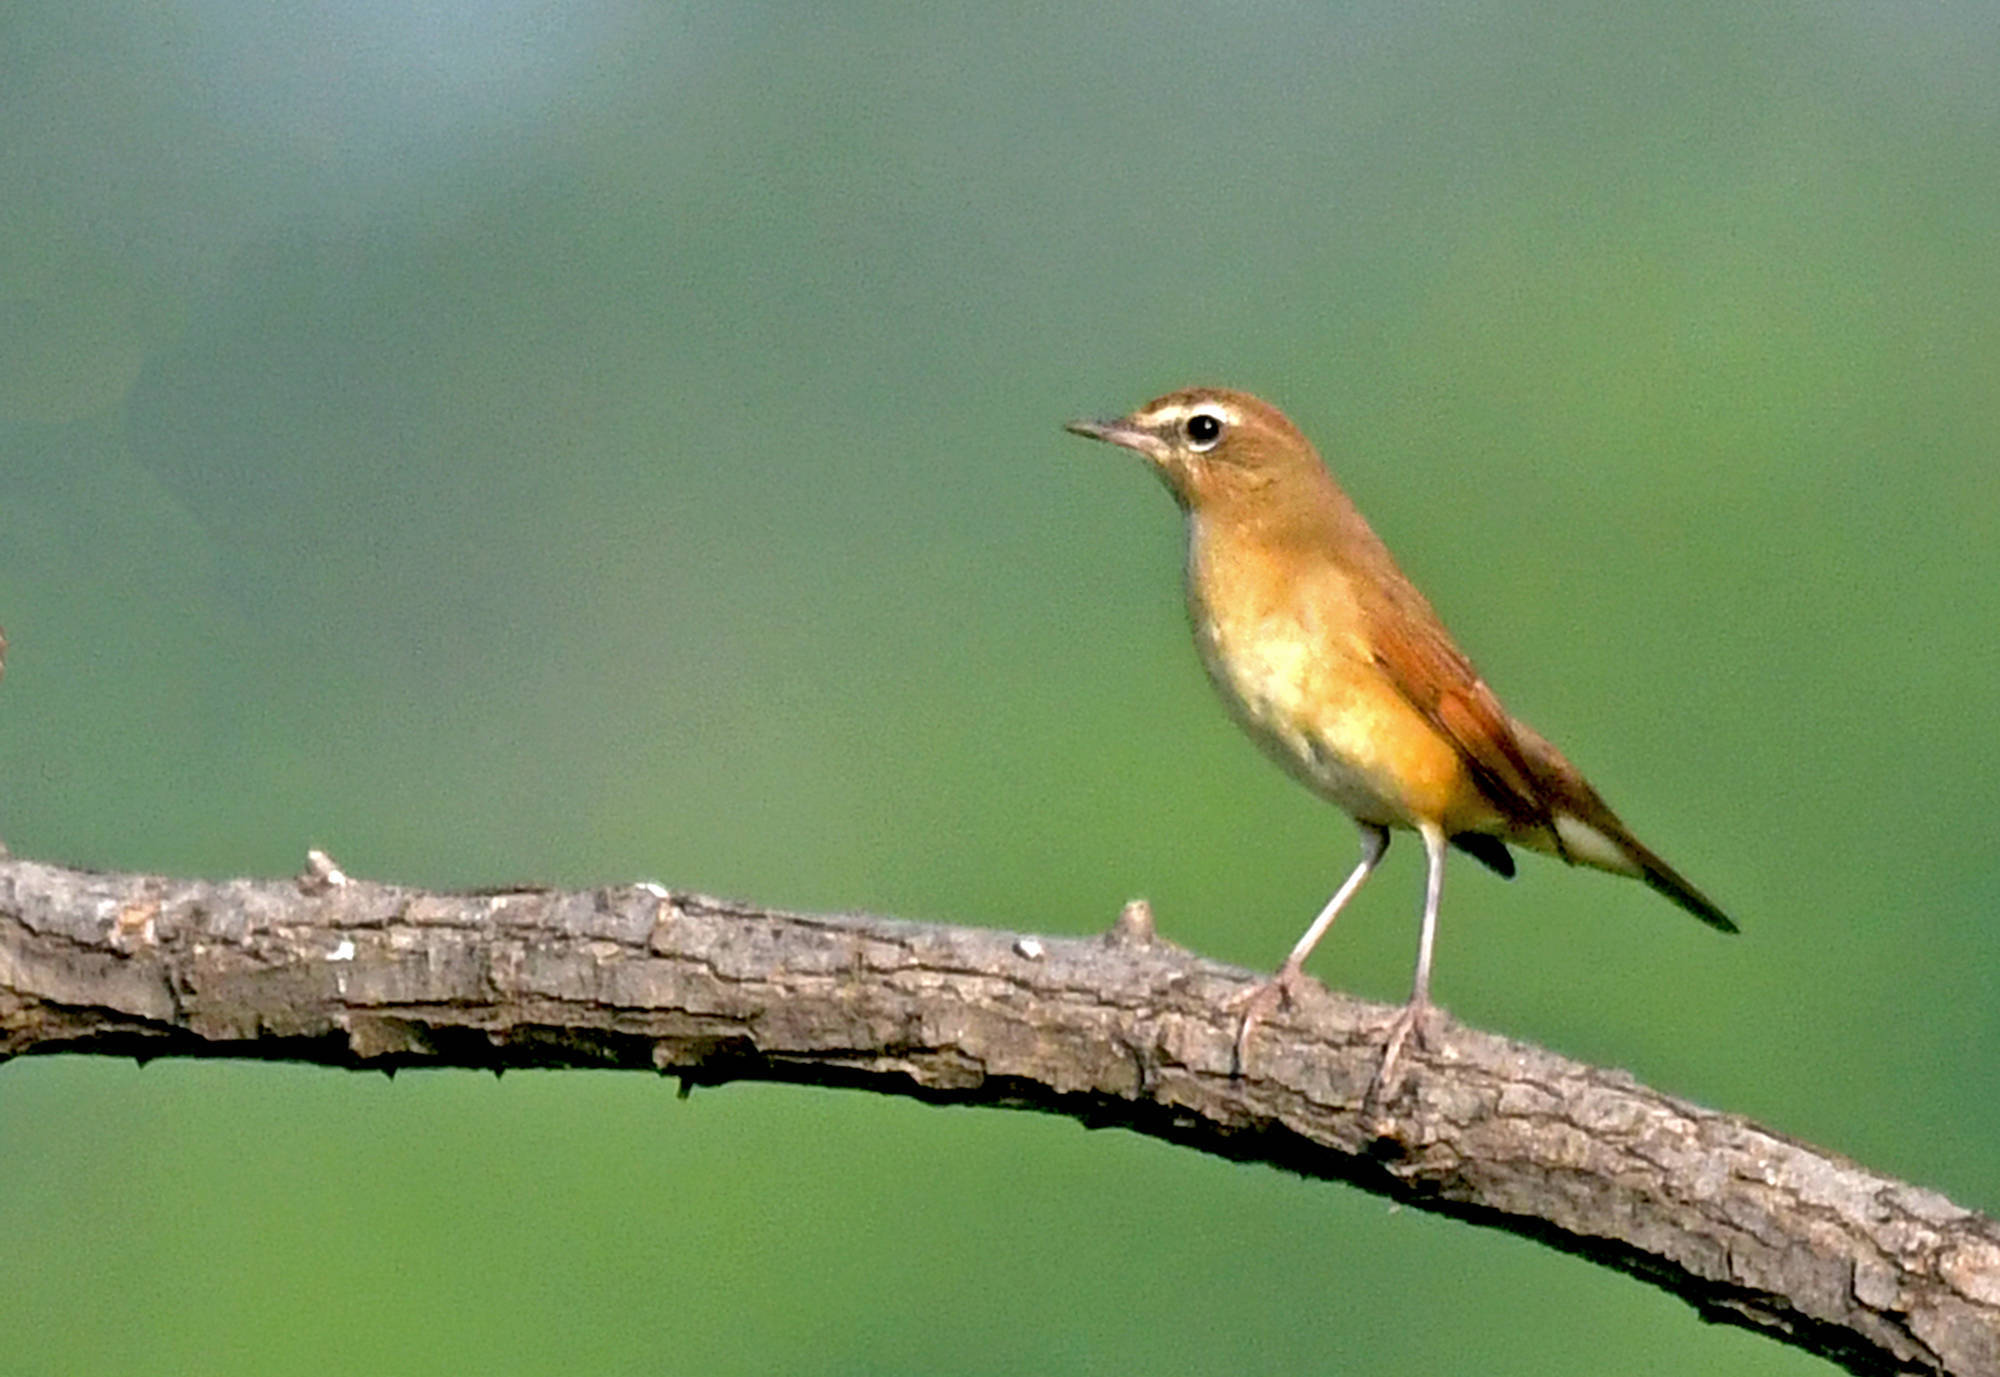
column 1489, row 851
column 1569, row 793
column 1666, row 880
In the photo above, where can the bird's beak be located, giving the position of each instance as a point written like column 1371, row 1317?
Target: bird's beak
column 1114, row 432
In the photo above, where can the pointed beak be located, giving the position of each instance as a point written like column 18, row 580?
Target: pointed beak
column 1113, row 432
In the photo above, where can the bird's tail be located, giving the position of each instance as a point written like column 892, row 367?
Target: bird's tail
column 1587, row 832
column 1603, row 841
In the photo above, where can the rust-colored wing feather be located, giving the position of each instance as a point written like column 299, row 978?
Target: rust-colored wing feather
column 1527, row 780
column 1526, row 777
column 1433, row 675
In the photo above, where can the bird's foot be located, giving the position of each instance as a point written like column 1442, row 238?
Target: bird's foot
column 1256, row 1003
column 1419, row 1019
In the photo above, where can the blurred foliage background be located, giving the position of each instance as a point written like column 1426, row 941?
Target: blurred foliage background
column 582, row 443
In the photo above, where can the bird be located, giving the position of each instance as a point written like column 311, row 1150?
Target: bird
column 1339, row 668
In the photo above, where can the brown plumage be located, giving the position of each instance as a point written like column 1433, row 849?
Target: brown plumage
column 1334, row 662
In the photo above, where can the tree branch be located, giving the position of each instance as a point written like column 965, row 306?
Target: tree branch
column 1749, row 1227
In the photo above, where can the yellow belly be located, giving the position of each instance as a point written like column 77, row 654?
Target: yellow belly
column 1300, row 679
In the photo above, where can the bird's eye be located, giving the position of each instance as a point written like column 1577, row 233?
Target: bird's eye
column 1203, row 429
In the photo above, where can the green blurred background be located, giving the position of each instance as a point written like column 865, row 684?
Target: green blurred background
column 585, row 443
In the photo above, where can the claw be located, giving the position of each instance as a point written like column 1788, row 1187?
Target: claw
column 1256, row 1003
column 1419, row 1019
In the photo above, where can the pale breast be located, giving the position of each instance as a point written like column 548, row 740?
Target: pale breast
column 1287, row 657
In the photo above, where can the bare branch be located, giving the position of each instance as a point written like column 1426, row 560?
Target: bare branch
column 1748, row 1226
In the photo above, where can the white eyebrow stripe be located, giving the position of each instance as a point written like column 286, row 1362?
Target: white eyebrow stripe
column 1179, row 411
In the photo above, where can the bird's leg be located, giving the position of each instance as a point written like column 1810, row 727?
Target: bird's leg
column 1417, row 1015
column 1267, row 995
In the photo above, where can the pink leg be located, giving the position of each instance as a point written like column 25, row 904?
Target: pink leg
column 1264, row 997
column 1417, row 1013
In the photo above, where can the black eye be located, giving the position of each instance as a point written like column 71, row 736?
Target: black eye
column 1203, row 430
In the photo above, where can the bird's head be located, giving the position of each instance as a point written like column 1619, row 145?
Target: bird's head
column 1215, row 448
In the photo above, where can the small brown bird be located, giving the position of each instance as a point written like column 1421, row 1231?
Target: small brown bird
column 1333, row 661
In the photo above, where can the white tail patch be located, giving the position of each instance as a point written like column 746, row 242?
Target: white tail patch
column 1590, row 846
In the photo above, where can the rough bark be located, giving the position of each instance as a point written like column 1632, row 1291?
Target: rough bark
column 1748, row 1226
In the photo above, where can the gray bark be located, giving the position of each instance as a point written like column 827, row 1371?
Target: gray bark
column 1748, row 1226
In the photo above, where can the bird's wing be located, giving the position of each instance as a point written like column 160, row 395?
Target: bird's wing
column 1412, row 647
column 1525, row 777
